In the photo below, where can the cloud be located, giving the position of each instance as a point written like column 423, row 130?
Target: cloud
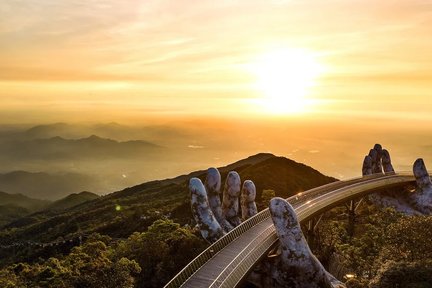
column 195, row 147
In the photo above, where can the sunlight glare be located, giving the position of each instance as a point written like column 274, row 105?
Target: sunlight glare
column 284, row 77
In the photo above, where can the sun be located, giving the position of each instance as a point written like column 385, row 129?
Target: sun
column 284, row 78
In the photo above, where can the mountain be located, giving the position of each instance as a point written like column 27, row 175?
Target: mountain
column 72, row 200
column 14, row 206
column 11, row 212
column 58, row 148
column 133, row 209
column 119, row 132
column 44, row 185
column 22, row 201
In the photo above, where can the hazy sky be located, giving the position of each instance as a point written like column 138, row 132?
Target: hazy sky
column 127, row 60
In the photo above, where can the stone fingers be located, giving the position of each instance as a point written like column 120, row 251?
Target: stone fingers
column 213, row 185
column 297, row 266
column 367, row 166
column 248, row 205
column 208, row 225
column 421, row 174
column 386, row 162
column 230, row 201
column 422, row 197
column 379, row 153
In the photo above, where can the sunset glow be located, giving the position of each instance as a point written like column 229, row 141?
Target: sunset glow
column 136, row 59
column 285, row 77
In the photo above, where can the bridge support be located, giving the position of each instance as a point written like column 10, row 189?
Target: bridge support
column 310, row 229
column 352, row 207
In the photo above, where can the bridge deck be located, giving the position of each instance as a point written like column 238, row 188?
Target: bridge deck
column 210, row 271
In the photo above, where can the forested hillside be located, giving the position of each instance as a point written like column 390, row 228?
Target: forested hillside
column 149, row 224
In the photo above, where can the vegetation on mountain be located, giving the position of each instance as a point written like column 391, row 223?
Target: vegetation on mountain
column 22, row 201
column 142, row 236
column 43, row 185
column 94, row 264
column 72, row 200
column 15, row 206
column 148, row 223
column 388, row 249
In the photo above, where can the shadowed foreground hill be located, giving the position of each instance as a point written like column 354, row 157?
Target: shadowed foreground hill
column 121, row 213
column 17, row 206
column 72, row 200
column 43, row 185
column 13, row 206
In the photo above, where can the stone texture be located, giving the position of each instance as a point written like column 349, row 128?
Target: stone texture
column 213, row 188
column 367, row 166
column 386, row 162
column 422, row 197
column 297, row 266
column 378, row 164
column 247, row 200
column 207, row 223
column 418, row 202
column 230, row 202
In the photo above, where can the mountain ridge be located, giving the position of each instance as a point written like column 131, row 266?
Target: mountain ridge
column 132, row 209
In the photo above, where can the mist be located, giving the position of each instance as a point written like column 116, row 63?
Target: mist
column 106, row 157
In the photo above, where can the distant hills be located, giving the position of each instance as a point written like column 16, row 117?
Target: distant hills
column 54, row 160
column 22, row 201
column 44, row 185
column 119, row 132
column 133, row 209
column 72, row 200
column 74, row 149
column 15, row 206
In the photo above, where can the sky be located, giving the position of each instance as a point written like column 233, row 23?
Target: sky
column 139, row 58
column 328, row 70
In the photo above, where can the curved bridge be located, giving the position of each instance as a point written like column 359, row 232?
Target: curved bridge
column 229, row 260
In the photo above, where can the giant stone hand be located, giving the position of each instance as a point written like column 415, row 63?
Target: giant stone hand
column 418, row 202
column 295, row 266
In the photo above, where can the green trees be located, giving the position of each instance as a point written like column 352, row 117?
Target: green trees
column 266, row 196
column 91, row 265
column 161, row 251
column 387, row 249
column 405, row 259
column 148, row 259
column 417, row 274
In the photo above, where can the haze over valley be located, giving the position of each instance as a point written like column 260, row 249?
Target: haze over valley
column 50, row 161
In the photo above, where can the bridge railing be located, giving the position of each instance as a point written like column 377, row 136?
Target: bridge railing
column 213, row 249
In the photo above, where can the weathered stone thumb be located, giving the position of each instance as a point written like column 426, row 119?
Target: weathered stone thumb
column 421, row 174
column 423, row 195
column 298, row 267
